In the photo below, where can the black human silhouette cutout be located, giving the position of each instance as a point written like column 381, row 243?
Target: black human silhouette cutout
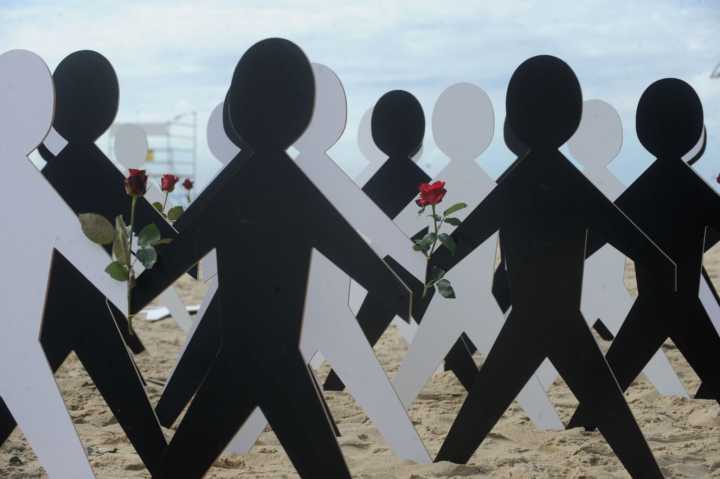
column 675, row 206
column 264, row 216
column 543, row 241
column 199, row 354
column 501, row 287
column 86, row 103
column 398, row 127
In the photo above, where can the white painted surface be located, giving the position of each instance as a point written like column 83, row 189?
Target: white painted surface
column 463, row 126
column 594, row 145
column 33, row 230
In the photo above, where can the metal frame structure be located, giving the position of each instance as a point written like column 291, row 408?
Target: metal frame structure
column 172, row 148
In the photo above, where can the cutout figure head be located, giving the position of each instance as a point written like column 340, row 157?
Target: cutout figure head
column 513, row 143
column 367, row 145
column 26, row 101
column 87, row 96
column 131, row 146
column 544, row 102
column 227, row 125
column 463, row 121
column 697, row 151
column 272, row 95
column 599, row 137
column 329, row 115
column 221, row 147
column 669, row 118
column 398, row 124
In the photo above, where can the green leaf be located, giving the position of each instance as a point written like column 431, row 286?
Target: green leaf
column 175, row 213
column 422, row 210
column 453, row 221
column 448, row 241
column 445, row 289
column 121, row 248
column 149, row 235
column 436, row 274
column 97, row 228
column 158, row 206
column 454, row 208
column 147, row 256
column 163, row 241
column 117, row 271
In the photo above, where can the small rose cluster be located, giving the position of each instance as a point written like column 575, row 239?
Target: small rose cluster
column 431, row 194
column 122, row 237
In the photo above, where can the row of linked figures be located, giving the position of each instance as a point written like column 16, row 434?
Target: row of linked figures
column 290, row 288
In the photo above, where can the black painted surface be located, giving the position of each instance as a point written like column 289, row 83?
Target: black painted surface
column 264, row 217
column 544, row 242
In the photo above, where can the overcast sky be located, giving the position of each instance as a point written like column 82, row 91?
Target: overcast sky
column 175, row 56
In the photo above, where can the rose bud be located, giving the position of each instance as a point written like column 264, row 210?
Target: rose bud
column 431, row 193
column 188, row 184
column 136, row 182
column 167, row 182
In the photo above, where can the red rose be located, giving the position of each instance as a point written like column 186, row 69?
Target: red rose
column 167, row 182
column 431, row 193
column 188, row 184
column 136, row 182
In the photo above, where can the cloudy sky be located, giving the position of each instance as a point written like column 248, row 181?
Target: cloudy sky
column 175, row 56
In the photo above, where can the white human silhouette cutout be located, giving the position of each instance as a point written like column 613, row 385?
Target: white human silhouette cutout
column 329, row 326
column 463, row 125
column 131, row 148
column 595, row 144
column 34, row 232
column 368, row 149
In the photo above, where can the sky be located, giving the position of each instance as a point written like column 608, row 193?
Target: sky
column 176, row 56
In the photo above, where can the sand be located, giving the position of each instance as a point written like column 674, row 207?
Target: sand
column 684, row 434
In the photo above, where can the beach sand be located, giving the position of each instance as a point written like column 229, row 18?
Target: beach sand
column 684, row 434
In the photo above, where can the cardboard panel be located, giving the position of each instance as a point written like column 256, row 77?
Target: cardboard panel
column 669, row 121
column 543, row 238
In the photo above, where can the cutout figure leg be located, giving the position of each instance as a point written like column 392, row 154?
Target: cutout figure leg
column 698, row 341
column 294, row 411
column 639, row 338
column 171, row 299
column 7, row 422
column 250, row 431
column 459, row 360
column 366, row 381
column 248, row 434
column 374, row 318
column 532, row 397
column 580, row 362
column 433, row 339
column 509, row 365
column 198, row 357
column 662, row 375
column 222, row 404
column 104, row 356
column 34, row 400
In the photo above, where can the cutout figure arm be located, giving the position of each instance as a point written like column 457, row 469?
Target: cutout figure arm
column 615, row 227
column 344, row 246
column 174, row 260
column 710, row 200
column 477, row 227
